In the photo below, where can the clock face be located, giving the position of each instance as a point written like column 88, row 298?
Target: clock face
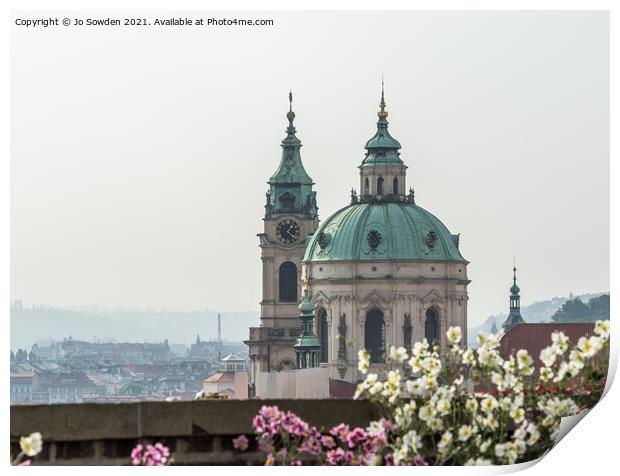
column 287, row 231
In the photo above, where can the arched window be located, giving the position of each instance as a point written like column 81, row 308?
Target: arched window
column 431, row 327
column 287, row 281
column 366, row 186
column 323, row 334
column 380, row 186
column 374, row 336
column 395, row 186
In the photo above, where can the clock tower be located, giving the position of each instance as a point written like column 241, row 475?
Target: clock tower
column 291, row 216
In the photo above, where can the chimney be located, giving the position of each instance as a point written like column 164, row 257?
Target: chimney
column 219, row 327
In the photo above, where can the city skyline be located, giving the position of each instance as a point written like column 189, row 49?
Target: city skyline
column 157, row 210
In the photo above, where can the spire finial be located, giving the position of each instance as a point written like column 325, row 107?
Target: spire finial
column 514, row 269
column 290, row 115
column 382, row 113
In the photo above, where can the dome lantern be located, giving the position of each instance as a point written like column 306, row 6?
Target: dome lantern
column 382, row 171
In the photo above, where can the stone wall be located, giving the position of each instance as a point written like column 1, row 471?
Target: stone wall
column 197, row 432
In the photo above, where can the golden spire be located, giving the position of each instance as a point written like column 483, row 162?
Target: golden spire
column 382, row 113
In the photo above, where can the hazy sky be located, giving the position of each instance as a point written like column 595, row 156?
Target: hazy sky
column 140, row 156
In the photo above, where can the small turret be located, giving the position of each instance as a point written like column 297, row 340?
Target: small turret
column 514, row 317
column 307, row 346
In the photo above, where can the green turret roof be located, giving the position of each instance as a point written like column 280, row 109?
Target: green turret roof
column 514, row 317
column 382, row 148
column 290, row 187
column 291, row 169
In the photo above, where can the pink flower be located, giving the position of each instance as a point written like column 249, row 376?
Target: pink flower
column 156, row 455
column 328, row 441
column 335, row 456
column 26, row 462
column 273, row 428
column 270, row 412
column 349, row 458
column 341, row 431
column 419, row 460
column 259, row 425
column 355, row 436
column 296, row 462
column 136, row 454
column 388, row 425
column 389, row 459
column 240, row 443
column 312, row 446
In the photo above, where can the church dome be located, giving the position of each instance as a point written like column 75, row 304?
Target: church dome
column 383, row 231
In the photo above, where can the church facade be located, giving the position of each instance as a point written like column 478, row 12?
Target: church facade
column 380, row 271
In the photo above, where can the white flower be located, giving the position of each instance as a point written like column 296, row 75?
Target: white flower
column 454, row 335
column 430, row 382
column 488, row 341
column 601, row 329
column 371, row 379
column 412, row 440
column 415, row 387
column 376, row 388
column 485, row 446
column 435, row 424
column 489, row 403
column 444, row 442
column 31, row 445
column 560, row 342
column 559, row 376
column 468, row 357
column 465, row 431
column 523, row 359
column 546, row 374
column 431, row 365
column 393, row 380
column 443, row 407
column 427, row 411
column 517, row 414
column 363, row 361
column 547, row 356
column 398, row 354
column 471, row 404
column 400, row 455
column 415, row 363
column 589, row 346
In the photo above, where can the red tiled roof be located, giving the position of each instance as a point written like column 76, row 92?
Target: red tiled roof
column 341, row 389
column 535, row 337
column 221, row 377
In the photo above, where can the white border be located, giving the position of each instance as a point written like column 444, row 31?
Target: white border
column 591, row 449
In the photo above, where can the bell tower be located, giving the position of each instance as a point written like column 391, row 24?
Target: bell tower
column 291, row 216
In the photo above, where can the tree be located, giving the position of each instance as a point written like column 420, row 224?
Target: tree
column 575, row 310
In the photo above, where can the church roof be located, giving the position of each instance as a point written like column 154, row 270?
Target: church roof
column 383, row 231
column 534, row 337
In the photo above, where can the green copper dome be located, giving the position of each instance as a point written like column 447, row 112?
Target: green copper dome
column 383, row 231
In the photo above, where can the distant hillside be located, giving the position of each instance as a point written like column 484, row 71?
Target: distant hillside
column 31, row 325
column 575, row 310
column 539, row 311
